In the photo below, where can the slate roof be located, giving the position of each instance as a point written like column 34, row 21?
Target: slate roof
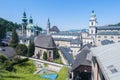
column 45, row 41
column 108, row 58
column 7, row 51
column 66, row 54
column 108, row 28
column 55, row 28
column 65, row 33
column 62, row 39
column 83, row 58
column 109, row 33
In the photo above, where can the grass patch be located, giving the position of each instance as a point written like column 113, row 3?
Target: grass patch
column 59, row 61
column 62, row 75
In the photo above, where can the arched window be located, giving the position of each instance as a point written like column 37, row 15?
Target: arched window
column 91, row 23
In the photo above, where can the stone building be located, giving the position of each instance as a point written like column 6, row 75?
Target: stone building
column 45, row 44
column 81, row 68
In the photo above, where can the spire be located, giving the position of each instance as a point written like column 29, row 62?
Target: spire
column 48, row 23
column 31, row 20
column 48, row 27
column 24, row 18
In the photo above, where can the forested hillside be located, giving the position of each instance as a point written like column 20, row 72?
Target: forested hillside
column 6, row 25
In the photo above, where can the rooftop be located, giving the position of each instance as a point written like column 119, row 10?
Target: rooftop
column 83, row 58
column 108, row 28
column 108, row 58
column 45, row 41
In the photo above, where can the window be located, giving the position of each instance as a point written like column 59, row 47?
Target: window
column 91, row 23
column 91, row 31
column 112, row 37
column 118, row 37
column 99, row 36
column 105, row 36
column 49, row 53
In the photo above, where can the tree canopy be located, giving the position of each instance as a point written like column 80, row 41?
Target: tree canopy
column 15, row 40
column 21, row 49
column 31, row 49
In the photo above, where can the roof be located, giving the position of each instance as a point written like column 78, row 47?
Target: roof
column 64, row 33
column 108, row 33
column 7, row 51
column 108, row 58
column 62, row 39
column 108, row 28
column 83, row 58
column 45, row 41
column 55, row 28
column 66, row 54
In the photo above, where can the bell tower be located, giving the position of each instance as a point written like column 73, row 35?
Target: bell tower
column 92, row 25
column 24, row 23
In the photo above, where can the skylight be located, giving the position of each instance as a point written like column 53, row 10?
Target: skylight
column 112, row 69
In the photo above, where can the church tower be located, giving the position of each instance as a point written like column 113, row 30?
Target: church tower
column 92, row 25
column 48, row 27
column 24, row 24
column 30, row 28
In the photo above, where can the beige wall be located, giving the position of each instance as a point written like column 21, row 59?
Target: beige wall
column 87, row 40
column 84, row 35
column 75, row 51
column 41, row 51
column 63, row 43
column 99, row 38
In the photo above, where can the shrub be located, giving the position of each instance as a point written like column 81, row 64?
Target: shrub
column 2, row 58
column 21, row 49
column 45, row 55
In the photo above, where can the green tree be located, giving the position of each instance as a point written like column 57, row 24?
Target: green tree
column 45, row 55
column 2, row 32
column 21, row 49
column 3, row 58
column 31, row 49
column 56, row 54
column 15, row 40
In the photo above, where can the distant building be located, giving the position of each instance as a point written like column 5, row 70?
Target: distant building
column 100, row 35
column 28, row 31
column 52, row 30
column 106, row 62
column 107, row 35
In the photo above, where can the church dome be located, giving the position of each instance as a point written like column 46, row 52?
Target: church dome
column 93, row 14
column 30, row 26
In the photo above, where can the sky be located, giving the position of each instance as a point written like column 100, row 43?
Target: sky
column 65, row 14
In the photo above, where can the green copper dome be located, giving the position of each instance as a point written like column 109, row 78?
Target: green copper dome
column 30, row 26
column 93, row 14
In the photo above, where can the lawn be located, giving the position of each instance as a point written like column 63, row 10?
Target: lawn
column 23, row 71
column 62, row 75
